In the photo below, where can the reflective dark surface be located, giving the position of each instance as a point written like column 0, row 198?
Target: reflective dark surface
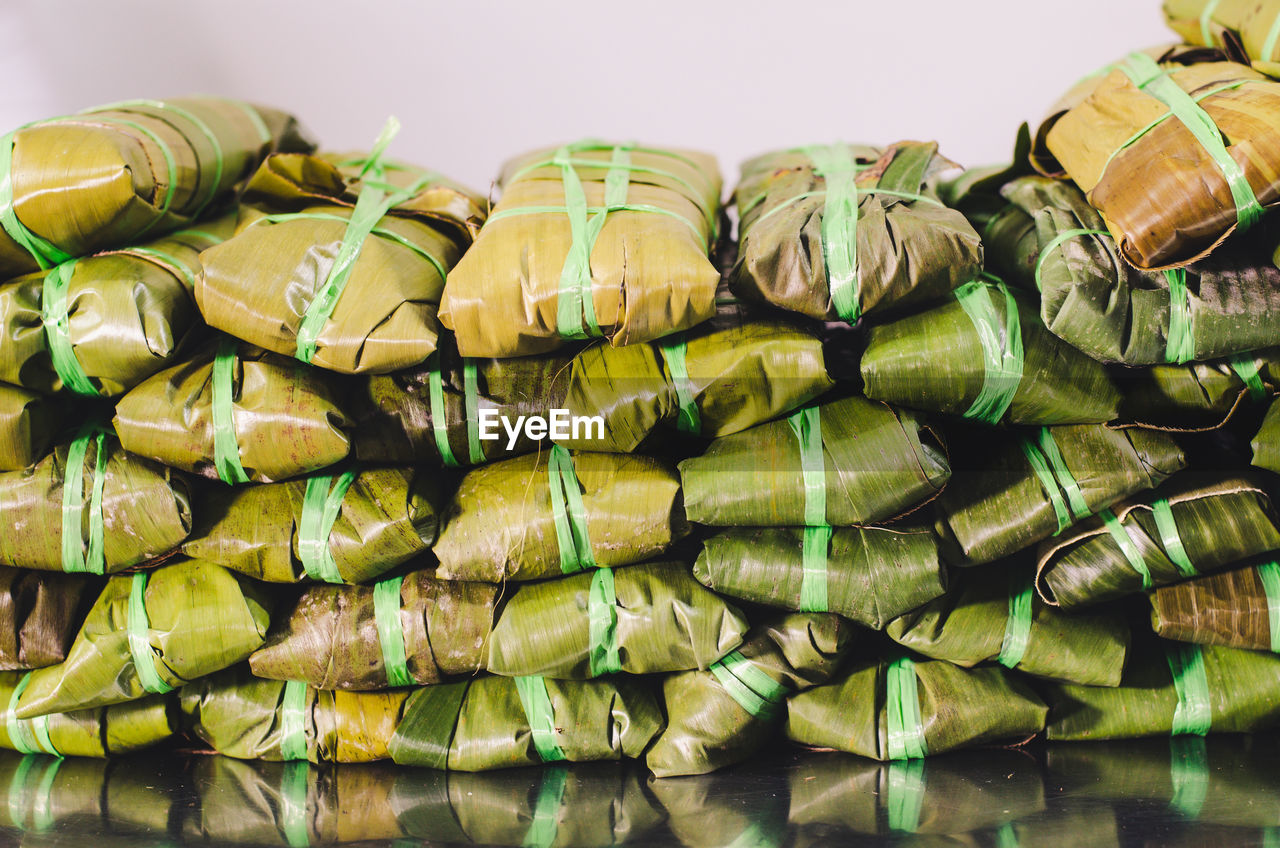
column 1222, row 791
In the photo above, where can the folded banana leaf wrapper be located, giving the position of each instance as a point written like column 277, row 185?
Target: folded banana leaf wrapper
column 726, row 714
column 1222, row 305
column 248, row 718
column 642, row 619
column 340, row 261
column 563, row 804
column 837, row 232
column 994, row 615
column 236, row 413
column 589, row 240
column 91, row 507
column 402, row 631
column 1024, row 486
column 150, row 633
column 1175, row 157
column 869, row 575
column 1199, row 395
column 707, row 810
column 900, row 709
column 26, row 426
column 96, row 732
column 846, row 462
column 556, row 513
column 346, row 527
column 1172, row 689
column 986, row 356
column 499, row 722
column 1266, row 444
column 1180, row 531
column 1248, row 24
column 139, row 167
column 41, row 614
column 1238, row 609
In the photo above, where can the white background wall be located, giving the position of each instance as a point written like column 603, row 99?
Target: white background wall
column 474, row 82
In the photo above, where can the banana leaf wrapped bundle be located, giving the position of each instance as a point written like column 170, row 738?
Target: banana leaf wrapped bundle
column 708, row 810
column 724, row 715
column 1180, row 531
column 1031, row 485
column 91, row 507
column 248, row 718
column 836, row 232
column 1266, row 444
column 340, row 262
column 1238, row 609
column 41, row 614
column 847, row 462
column 96, row 732
column 139, row 167
column 900, row 709
column 869, row 575
column 994, row 616
column 1250, row 24
column 556, row 513
column 104, row 323
column 151, row 632
column 642, row 619
column 26, row 427
column 499, row 722
column 1199, row 395
column 402, row 631
column 1190, row 690
column 986, row 356
column 589, row 240
column 346, row 527
column 1200, row 139
column 236, row 413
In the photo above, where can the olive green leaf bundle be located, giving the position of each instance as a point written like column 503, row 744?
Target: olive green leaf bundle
column 589, row 240
column 846, row 462
column 345, row 527
column 400, row 631
column 139, row 167
column 1238, row 609
column 827, row 233
column 724, row 715
column 500, row 722
column 556, row 513
column 26, row 426
column 1266, row 444
column 91, row 507
column 706, row 810
column 96, row 732
column 642, row 619
column 986, row 356
column 869, row 575
column 40, row 615
column 340, row 265
column 151, row 632
column 1024, row 486
column 1182, row 530
column 236, row 413
column 242, row 716
column 1172, row 689
column 1250, row 22
column 1198, row 395
column 993, row 614
column 897, row 709
column 1201, row 137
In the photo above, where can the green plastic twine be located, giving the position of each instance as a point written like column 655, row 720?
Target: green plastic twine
column 1120, row 534
column 21, row 734
column 904, row 794
column 807, row 425
column 838, row 167
column 1193, row 715
column 293, row 732
column 439, row 422
column 602, row 618
column 293, row 804
column 386, row 614
column 1189, row 774
column 1063, row 475
column 1147, row 75
column 905, row 732
column 540, row 715
column 749, row 686
column 544, row 829
column 1001, row 348
column 74, row 557
column 1206, row 18
column 674, row 354
column 1017, row 626
column 1180, row 345
column 1057, row 242
column 813, row 583
column 320, row 507
column 569, row 513
column 226, row 447
column 1048, row 482
column 1273, row 37
column 470, row 409
column 1248, row 370
column 1269, row 574
column 57, row 330
column 1169, row 538
column 144, row 659
column 43, row 252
